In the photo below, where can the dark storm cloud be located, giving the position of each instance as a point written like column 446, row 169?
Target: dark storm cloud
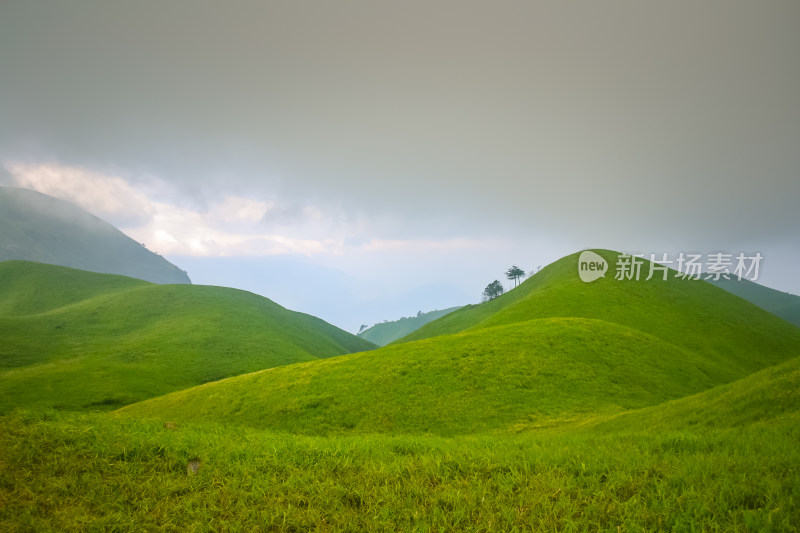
column 622, row 123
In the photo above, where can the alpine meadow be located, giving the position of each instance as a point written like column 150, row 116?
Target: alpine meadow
column 399, row 266
column 559, row 406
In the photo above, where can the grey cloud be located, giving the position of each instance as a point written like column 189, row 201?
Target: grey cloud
column 283, row 214
column 616, row 122
column 5, row 177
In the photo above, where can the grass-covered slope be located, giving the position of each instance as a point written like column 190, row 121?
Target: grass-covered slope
column 28, row 288
column 75, row 339
column 782, row 304
column 37, row 227
column 723, row 460
column 616, row 346
column 690, row 314
column 473, row 382
column 386, row 332
column 762, row 398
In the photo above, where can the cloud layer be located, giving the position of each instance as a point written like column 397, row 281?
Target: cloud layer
column 325, row 128
column 234, row 226
column 457, row 118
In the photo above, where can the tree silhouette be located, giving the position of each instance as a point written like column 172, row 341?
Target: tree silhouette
column 514, row 273
column 492, row 290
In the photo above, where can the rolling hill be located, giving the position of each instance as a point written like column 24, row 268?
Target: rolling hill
column 688, row 313
column 552, row 350
column 389, row 331
column 74, row 339
column 558, row 423
column 767, row 396
column 40, row 228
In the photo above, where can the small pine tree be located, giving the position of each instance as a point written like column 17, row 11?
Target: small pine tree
column 514, row 273
column 492, row 290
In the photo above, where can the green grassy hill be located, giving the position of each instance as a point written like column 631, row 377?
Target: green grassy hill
column 766, row 397
column 37, row 227
column 73, row 339
column 782, row 304
column 552, row 350
column 386, row 332
column 28, row 288
column 690, row 314
column 723, row 460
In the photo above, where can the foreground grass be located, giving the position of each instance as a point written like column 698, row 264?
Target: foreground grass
column 74, row 472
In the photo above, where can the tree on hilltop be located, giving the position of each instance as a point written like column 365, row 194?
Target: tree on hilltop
column 514, row 273
column 492, row 290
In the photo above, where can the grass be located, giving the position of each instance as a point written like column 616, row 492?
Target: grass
column 97, row 341
column 28, row 288
column 73, row 472
column 387, row 332
column 762, row 398
column 538, row 372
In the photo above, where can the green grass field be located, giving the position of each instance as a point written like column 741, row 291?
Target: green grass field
column 724, row 468
column 560, row 406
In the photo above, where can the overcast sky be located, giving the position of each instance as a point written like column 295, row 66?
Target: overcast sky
column 363, row 160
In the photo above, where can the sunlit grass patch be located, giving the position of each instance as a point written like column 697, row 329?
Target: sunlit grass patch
column 74, row 472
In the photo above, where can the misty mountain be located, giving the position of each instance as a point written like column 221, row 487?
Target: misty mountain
column 37, row 227
column 386, row 332
column 783, row 304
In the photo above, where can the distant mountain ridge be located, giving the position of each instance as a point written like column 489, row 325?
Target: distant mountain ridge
column 782, row 304
column 386, row 332
column 37, row 227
